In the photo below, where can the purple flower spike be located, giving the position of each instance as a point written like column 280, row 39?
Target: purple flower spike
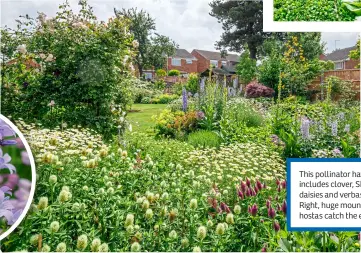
column 276, row 226
column 243, row 186
column 259, row 185
column 225, row 208
column 271, row 213
column 253, row 210
column 185, row 99
column 240, row 194
column 284, row 207
column 248, row 182
column 268, row 203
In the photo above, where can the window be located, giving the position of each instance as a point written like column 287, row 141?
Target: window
column 176, row 62
column 339, row 65
column 224, row 63
column 189, row 61
column 148, row 75
column 214, row 63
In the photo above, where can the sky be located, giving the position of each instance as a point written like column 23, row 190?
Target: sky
column 187, row 22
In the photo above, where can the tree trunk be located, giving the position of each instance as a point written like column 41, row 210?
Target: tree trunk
column 140, row 69
column 252, row 51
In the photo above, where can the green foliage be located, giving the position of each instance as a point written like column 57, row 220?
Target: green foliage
column 310, row 10
column 341, row 90
column 81, row 66
column 327, row 65
column 174, row 72
column 242, row 23
column 247, row 68
column 151, row 50
column 159, row 85
column 161, row 73
column 163, row 99
column 355, row 54
column 204, row 139
column 192, row 83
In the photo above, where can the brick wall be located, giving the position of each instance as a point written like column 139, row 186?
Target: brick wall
column 203, row 63
column 185, row 67
column 351, row 64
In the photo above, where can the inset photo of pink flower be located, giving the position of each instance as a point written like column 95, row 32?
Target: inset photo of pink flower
column 17, row 177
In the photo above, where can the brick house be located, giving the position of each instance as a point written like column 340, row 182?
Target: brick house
column 341, row 58
column 183, row 61
column 206, row 58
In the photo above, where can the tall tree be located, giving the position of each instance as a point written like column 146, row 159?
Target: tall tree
column 242, row 22
column 151, row 49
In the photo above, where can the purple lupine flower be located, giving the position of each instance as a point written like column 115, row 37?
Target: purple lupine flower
column 185, row 99
column 305, row 128
column 253, row 210
column 7, row 142
column 334, row 128
column 276, row 226
column 271, row 213
column 202, row 85
column 341, row 116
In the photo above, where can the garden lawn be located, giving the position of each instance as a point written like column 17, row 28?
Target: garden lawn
column 142, row 120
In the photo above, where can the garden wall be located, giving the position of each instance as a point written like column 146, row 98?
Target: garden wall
column 352, row 75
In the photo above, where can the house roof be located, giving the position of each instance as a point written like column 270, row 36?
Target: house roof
column 210, row 55
column 339, row 54
column 182, row 53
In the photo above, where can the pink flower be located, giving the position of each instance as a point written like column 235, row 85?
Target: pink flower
column 253, row 210
column 276, row 226
column 271, row 213
column 284, row 207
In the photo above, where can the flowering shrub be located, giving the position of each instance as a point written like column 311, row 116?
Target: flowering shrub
column 176, row 124
column 174, row 72
column 256, row 90
column 82, row 64
column 15, row 177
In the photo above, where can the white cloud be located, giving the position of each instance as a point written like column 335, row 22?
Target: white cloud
column 185, row 21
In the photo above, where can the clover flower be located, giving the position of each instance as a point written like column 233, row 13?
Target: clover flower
column 43, row 203
column 34, row 239
column 61, row 247
column 184, row 242
column 64, row 196
column 197, row 249
column 129, row 220
column 149, row 214
column 230, row 218
column 271, row 213
column 225, row 208
column 54, row 226
column 45, row 248
column 193, row 204
column 53, row 179
column 252, row 210
column 209, row 223
column 237, row 209
column 135, row 247
column 202, row 232
column 276, row 226
column 220, row 229
column 173, row 235
column 104, row 247
column 145, row 204
column 130, row 229
column 94, row 247
column 82, row 242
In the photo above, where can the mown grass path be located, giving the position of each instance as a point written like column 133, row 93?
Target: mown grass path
column 140, row 116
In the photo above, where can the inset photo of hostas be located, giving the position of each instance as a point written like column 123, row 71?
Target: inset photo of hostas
column 17, row 177
column 317, row 10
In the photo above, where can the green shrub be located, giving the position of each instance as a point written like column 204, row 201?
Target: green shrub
column 161, row 73
column 174, row 72
column 204, row 139
column 177, row 88
column 146, row 100
column 164, row 99
column 192, row 84
column 159, row 84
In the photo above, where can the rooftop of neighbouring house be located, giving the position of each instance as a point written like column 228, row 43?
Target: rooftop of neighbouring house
column 184, row 54
column 339, row 54
column 211, row 55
